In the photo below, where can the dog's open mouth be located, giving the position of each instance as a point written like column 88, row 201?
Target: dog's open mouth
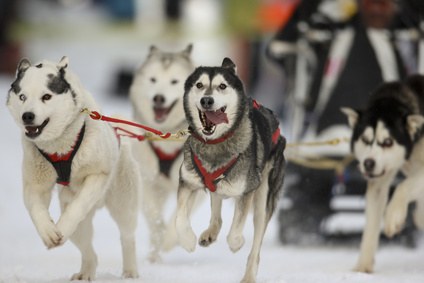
column 34, row 131
column 372, row 175
column 161, row 113
column 210, row 119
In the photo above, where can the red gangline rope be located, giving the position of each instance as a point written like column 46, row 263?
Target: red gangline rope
column 97, row 116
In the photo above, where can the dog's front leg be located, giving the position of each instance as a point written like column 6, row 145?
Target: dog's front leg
column 92, row 190
column 235, row 237
column 209, row 235
column 260, row 222
column 409, row 190
column 186, row 236
column 37, row 200
column 376, row 200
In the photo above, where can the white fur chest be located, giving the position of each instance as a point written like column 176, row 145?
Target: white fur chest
column 231, row 189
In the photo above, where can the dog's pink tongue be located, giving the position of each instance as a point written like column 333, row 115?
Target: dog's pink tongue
column 217, row 117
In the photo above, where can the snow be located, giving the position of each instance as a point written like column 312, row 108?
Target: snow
column 23, row 257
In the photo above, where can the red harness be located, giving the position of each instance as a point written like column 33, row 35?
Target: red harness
column 166, row 160
column 62, row 163
column 209, row 178
column 163, row 155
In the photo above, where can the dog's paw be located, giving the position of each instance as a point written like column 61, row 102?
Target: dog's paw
column 187, row 240
column 248, row 279
column 208, row 237
column 235, row 242
column 86, row 276
column 363, row 267
column 130, row 274
column 50, row 234
column 65, row 229
column 394, row 219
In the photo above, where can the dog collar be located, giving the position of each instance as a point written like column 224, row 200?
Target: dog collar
column 62, row 163
column 210, row 179
column 215, row 141
column 166, row 160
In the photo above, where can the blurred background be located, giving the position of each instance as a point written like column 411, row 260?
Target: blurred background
column 114, row 35
column 303, row 59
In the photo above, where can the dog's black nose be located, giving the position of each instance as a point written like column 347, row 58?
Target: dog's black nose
column 159, row 99
column 206, row 102
column 28, row 118
column 369, row 164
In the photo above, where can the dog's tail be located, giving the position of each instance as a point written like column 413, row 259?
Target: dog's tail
column 276, row 176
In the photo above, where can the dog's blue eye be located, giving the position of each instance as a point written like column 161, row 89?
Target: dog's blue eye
column 387, row 142
column 22, row 97
column 222, row 86
column 153, row 80
column 199, row 85
column 46, row 97
column 174, row 82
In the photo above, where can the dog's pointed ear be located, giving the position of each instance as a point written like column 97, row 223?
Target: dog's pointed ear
column 63, row 63
column 227, row 63
column 23, row 65
column 352, row 116
column 187, row 51
column 414, row 124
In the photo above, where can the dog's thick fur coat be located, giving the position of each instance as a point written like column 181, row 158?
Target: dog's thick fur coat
column 157, row 98
column 46, row 101
column 235, row 150
column 387, row 137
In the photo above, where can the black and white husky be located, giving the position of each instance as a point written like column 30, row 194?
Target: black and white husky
column 387, row 137
column 65, row 147
column 235, row 150
column 157, row 98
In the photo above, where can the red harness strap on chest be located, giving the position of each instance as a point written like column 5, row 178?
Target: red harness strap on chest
column 163, row 155
column 209, row 178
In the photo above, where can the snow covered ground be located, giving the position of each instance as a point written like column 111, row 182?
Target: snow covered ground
column 23, row 257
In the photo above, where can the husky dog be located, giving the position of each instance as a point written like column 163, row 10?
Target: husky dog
column 61, row 145
column 235, row 150
column 157, row 98
column 387, row 137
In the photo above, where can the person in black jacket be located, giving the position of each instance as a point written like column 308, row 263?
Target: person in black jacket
column 334, row 56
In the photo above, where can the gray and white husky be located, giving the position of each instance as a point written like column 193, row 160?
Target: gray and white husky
column 65, row 147
column 387, row 138
column 157, row 98
column 235, row 150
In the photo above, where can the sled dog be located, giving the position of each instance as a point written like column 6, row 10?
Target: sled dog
column 386, row 139
column 63, row 146
column 235, row 150
column 157, row 99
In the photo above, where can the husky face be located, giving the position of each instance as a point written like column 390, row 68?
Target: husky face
column 378, row 152
column 158, row 87
column 39, row 98
column 384, row 134
column 214, row 100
